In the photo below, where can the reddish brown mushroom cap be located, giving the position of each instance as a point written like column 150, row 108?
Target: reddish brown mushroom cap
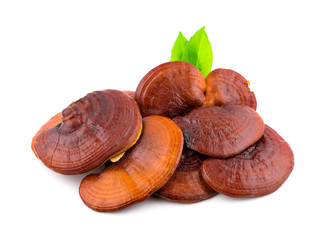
column 143, row 169
column 171, row 89
column 187, row 185
column 55, row 120
column 259, row 170
column 225, row 86
column 130, row 93
column 221, row 131
column 93, row 129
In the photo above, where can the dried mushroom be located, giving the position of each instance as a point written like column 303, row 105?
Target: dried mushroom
column 225, row 86
column 171, row 89
column 221, row 131
column 259, row 170
column 187, row 185
column 175, row 88
column 143, row 169
column 93, row 129
column 228, row 148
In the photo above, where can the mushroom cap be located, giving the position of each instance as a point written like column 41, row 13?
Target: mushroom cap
column 187, row 185
column 143, row 169
column 56, row 119
column 226, row 86
column 259, row 170
column 171, row 89
column 221, row 131
column 130, row 93
column 93, row 129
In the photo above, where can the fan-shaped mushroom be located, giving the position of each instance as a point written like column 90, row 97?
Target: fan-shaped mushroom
column 225, row 86
column 187, row 185
column 171, row 89
column 221, row 131
column 93, row 129
column 259, row 170
column 140, row 172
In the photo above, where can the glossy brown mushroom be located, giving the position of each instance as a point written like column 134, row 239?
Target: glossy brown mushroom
column 55, row 120
column 171, row 89
column 187, row 185
column 226, row 86
column 143, row 169
column 221, row 131
column 259, row 170
column 93, row 129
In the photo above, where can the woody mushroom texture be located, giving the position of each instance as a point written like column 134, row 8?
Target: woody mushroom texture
column 185, row 134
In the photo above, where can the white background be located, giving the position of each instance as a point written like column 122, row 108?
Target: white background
column 55, row 52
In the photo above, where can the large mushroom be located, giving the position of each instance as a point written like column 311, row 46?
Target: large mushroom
column 91, row 130
column 225, row 86
column 143, row 169
column 221, row 131
column 171, row 89
column 259, row 170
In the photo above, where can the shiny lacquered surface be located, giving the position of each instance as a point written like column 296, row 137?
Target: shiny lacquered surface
column 226, row 86
column 55, row 120
column 259, row 170
column 221, row 131
column 187, row 185
column 171, row 89
column 143, row 169
column 92, row 129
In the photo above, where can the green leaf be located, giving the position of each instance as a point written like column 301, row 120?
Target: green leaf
column 198, row 51
column 178, row 47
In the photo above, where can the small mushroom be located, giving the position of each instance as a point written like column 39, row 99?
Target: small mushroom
column 143, row 169
column 225, row 86
column 221, row 131
column 171, row 89
column 259, row 170
column 93, row 129
column 187, row 185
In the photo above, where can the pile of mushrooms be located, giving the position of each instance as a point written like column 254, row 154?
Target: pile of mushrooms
column 179, row 136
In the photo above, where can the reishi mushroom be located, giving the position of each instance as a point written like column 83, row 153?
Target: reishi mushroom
column 259, row 170
column 171, row 89
column 175, row 88
column 143, row 169
column 221, row 131
column 93, row 129
column 187, row 185
column 223, row 143
column 225, row 86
